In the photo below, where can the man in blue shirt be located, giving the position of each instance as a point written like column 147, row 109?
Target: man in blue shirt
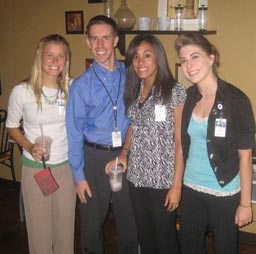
column 96, row 128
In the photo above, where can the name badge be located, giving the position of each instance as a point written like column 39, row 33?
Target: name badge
column 220, row 127
column 160, row 113
column 61, row 106
column 116, row 138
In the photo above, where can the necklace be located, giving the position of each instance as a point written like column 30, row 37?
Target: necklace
column 51, row 99
column 141, row 95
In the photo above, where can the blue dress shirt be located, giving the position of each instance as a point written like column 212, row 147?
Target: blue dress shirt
column 90, row 114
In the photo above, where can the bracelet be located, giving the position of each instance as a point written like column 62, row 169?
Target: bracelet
column 245, row 205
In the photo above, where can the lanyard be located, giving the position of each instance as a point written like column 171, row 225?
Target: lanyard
column 114, row 103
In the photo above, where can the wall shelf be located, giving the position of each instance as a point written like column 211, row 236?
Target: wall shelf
column 122, row 35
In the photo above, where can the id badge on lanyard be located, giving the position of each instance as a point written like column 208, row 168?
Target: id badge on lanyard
column 116, row 134
column 116, row 138
column 220, row 127
column 220, row 124
column 61, row 103
column 61, row 106
column 160, row 113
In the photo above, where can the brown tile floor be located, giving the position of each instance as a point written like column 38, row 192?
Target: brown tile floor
column 13, row 239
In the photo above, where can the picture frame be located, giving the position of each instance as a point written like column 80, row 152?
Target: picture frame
column 88, row 62
column 74, row 22
column 94, row 1
column 0, row 86
column 180, row 77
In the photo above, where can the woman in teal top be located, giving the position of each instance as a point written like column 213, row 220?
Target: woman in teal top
column 217, row 138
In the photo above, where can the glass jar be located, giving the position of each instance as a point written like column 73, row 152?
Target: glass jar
column 178, row 21
column 202, row 16
column 124, row 17
column 108, row 8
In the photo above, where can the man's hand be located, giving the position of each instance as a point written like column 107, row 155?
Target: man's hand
column 81, row 188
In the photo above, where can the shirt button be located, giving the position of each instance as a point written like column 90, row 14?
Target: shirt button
column 211, row 155
column 221, row 181
column 208, row 141
column 215, row 169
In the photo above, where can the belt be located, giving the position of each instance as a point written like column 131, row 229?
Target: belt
column 103, row 147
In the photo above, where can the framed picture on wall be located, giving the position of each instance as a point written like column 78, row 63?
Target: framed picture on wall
column 180, row 77
column 94, row 1
column 0, row 86
column 88, row 62
column 74, row 22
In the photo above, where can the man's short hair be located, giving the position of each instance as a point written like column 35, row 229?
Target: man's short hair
column 101, row 19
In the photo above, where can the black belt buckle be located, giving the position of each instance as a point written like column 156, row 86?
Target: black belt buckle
column 108, row 148
column 104, row 147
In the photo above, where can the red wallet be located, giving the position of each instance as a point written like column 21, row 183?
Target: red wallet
column 46, row 181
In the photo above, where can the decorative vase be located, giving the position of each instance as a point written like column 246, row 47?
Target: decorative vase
column 124, row 17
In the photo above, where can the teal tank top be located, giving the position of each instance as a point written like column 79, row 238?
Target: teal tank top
column 198, row 171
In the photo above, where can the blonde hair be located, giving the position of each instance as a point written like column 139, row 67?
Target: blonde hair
column 35, row 79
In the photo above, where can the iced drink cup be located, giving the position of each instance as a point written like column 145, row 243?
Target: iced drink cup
column 45, row 142
column 116, row 178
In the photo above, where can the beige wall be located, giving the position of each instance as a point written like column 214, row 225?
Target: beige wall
column 23, row 23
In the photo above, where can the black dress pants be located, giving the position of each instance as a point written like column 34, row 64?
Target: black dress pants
column 156, row 226
column 93, row 214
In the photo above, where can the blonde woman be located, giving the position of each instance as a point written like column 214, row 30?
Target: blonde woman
column 40, row 102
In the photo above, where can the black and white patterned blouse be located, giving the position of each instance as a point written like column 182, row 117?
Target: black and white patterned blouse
column 152, row 154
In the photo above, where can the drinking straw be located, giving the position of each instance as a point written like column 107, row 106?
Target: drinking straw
column 42, row 133
column 116, row 163
column 43, row 141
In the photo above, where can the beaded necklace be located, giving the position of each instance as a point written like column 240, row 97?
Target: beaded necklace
column 52, row 99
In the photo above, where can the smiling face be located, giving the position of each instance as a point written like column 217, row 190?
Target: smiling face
column 102, row 40
column 53, row 60
column 196, row 64
column 144, row 62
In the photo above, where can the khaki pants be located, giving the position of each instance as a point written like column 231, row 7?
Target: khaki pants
column 49, row 220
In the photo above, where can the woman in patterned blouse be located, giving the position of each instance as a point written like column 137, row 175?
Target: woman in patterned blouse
column 154, row 103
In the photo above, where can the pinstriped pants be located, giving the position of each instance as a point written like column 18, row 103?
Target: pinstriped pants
column 200, row 213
